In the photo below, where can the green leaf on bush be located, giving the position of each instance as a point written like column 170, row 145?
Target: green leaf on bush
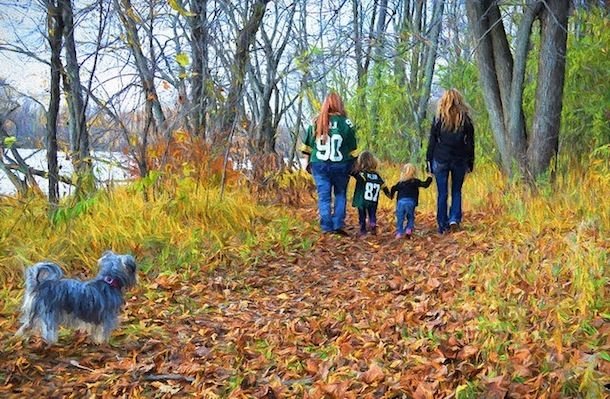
column 183, row 59
column 9, row 141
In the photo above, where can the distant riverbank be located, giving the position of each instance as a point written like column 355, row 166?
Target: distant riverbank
column 109, row 167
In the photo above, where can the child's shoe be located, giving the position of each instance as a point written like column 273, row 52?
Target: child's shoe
column 399, row 235
column 409, row 233
column 374, row 229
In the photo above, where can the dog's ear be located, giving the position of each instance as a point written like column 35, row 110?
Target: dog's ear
column 130, row 263
column 107, row 253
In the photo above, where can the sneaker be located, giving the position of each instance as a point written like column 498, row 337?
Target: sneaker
column 361, row 233
column 409, row 233
column 374, row 230
column 399, row 235
column 454, row 226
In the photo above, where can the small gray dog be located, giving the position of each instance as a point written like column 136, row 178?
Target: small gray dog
column 51, row 300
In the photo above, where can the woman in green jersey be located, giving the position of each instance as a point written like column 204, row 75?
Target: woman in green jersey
column 330, row 144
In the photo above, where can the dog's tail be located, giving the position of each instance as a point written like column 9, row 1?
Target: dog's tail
column 39, row 272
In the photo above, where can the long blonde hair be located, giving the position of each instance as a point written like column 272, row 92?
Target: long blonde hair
column 407, row 172
column 452, row 110
column 366, row 162
column 332, row 105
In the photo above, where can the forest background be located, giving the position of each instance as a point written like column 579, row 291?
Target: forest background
column 207, row 100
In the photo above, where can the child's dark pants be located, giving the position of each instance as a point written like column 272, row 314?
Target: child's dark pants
column 371, row 212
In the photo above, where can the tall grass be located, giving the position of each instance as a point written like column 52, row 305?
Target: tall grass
column 543, row 284
column 186, row 228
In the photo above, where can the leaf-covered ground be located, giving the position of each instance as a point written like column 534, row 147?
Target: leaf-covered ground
column 337, row 317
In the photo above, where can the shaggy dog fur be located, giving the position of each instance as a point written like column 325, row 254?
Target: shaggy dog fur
column 93, row 306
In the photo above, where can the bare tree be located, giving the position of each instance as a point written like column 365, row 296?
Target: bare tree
column 130, row 19
column 502, row 76
column 265, row 79
column 55, row 28
column 245, row 38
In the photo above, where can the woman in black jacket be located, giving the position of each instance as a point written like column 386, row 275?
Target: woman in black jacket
column 450, row 154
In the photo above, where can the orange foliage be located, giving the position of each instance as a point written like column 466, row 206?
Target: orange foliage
column 188, row 155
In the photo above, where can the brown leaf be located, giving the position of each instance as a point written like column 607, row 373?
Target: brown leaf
column 467, row 352
column 495, row 388
column 423, row 391
column 311, row 366
column 265, row 393
column 433, row 283
column 336, row 390
column 373, row 374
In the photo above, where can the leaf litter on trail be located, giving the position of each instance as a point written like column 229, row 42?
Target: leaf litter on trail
column 346, row 318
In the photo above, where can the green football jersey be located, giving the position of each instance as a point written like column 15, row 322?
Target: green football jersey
column 368, row 188
column 340, row 144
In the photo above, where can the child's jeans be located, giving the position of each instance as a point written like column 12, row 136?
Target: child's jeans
column 405, row 208
column 371, row 212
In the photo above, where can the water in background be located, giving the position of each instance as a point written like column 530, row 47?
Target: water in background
column 109, row 167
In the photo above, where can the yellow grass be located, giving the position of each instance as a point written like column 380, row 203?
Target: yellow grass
column 541, row 283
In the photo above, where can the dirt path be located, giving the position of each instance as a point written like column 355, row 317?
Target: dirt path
column 348, row 317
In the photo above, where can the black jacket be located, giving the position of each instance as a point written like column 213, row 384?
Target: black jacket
column 447, row 146
column 409, row 188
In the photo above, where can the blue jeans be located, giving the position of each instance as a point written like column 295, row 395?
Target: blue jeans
column 442, row 172
column 331, row 179
column 405, row 208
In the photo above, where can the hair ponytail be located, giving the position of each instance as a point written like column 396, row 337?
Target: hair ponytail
column 332, row 105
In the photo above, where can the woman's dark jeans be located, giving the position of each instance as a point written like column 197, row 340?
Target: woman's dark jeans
column 443, row 171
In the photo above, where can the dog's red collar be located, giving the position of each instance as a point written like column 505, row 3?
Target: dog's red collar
column 113, row 282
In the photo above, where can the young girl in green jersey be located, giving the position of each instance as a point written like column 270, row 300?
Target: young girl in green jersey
column 366, row 194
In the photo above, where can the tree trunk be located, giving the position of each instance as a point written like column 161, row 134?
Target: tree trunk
column 79, row 139
column 245, row 39
column 431, row 52
column 266, row 131
column 416, row 26
column 55, row 27
column 147, row 78
column 516, row 134
column 544, row 140
column 502, row 79
column 200, row 75
column 358, row 42
column 379, row 40
column 480, row 26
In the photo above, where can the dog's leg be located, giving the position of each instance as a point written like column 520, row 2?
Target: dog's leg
column 48, row 328
column 27, row 318
column 24, row 329
column 97, row 334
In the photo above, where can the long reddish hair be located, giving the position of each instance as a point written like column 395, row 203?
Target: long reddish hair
column 452, row 110
column 333, row 105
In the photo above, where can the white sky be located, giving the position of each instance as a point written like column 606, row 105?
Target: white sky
column 22, row 72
